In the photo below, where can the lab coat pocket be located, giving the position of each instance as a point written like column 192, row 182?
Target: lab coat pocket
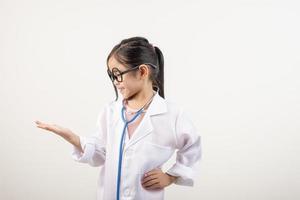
column 153, row 156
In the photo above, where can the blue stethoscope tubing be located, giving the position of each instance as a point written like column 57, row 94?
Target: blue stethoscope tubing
column 121, row 146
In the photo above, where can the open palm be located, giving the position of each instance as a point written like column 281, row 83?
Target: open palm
column 59, row 130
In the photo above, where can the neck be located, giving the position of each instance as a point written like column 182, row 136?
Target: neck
column 141, row 98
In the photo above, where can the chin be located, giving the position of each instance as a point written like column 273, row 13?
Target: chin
column 128, row 95
column 124, row 95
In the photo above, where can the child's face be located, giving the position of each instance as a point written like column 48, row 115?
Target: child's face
column 132, row 81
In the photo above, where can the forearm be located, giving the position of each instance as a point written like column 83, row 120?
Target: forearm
column 73, row 139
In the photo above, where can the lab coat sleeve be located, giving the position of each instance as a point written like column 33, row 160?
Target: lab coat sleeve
column 189, row 151
column 94, row 145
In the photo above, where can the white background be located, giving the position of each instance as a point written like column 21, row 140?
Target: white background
column 233, row 65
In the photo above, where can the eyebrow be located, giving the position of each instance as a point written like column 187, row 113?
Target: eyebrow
column 115, row 68
column 112, row 67
column 119, row 68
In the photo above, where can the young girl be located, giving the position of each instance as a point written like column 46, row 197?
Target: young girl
column 138, row 132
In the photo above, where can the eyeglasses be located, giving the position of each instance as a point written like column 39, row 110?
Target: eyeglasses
column 116, row 74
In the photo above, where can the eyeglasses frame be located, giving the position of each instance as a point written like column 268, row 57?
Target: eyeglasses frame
column 121, row 73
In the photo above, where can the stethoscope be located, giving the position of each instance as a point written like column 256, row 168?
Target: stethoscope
column 122, row 141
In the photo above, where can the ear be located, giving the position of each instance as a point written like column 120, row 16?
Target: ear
column 144, row 71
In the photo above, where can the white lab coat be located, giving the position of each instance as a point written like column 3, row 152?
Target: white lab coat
column 164, row 129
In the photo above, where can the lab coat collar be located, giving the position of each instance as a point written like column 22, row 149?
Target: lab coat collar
column 157, row 106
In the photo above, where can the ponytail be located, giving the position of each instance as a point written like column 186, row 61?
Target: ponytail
column 160, row 76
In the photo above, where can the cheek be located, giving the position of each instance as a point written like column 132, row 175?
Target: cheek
column 130, row 86
column 130, row 83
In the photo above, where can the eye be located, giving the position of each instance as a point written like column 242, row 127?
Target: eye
column 116, row 72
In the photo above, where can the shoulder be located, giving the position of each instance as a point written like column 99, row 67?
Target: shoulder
column 182, row 116
column 173, row 107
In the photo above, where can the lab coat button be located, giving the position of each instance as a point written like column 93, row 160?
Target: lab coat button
column 127, row 192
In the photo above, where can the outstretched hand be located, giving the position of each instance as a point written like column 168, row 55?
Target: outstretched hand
column 63, row 132
column 157, row 179
column 67, row 134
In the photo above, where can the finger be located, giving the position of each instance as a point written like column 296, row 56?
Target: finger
column 42, row 125
column 45, row 126
column 149, row 178
column 151, row 182
column 155, row 186
column 39, row 123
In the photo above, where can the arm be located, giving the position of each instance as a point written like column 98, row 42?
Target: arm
column 89, row 149
column 189, row 151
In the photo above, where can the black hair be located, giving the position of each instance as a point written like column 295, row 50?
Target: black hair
column 135, row 51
